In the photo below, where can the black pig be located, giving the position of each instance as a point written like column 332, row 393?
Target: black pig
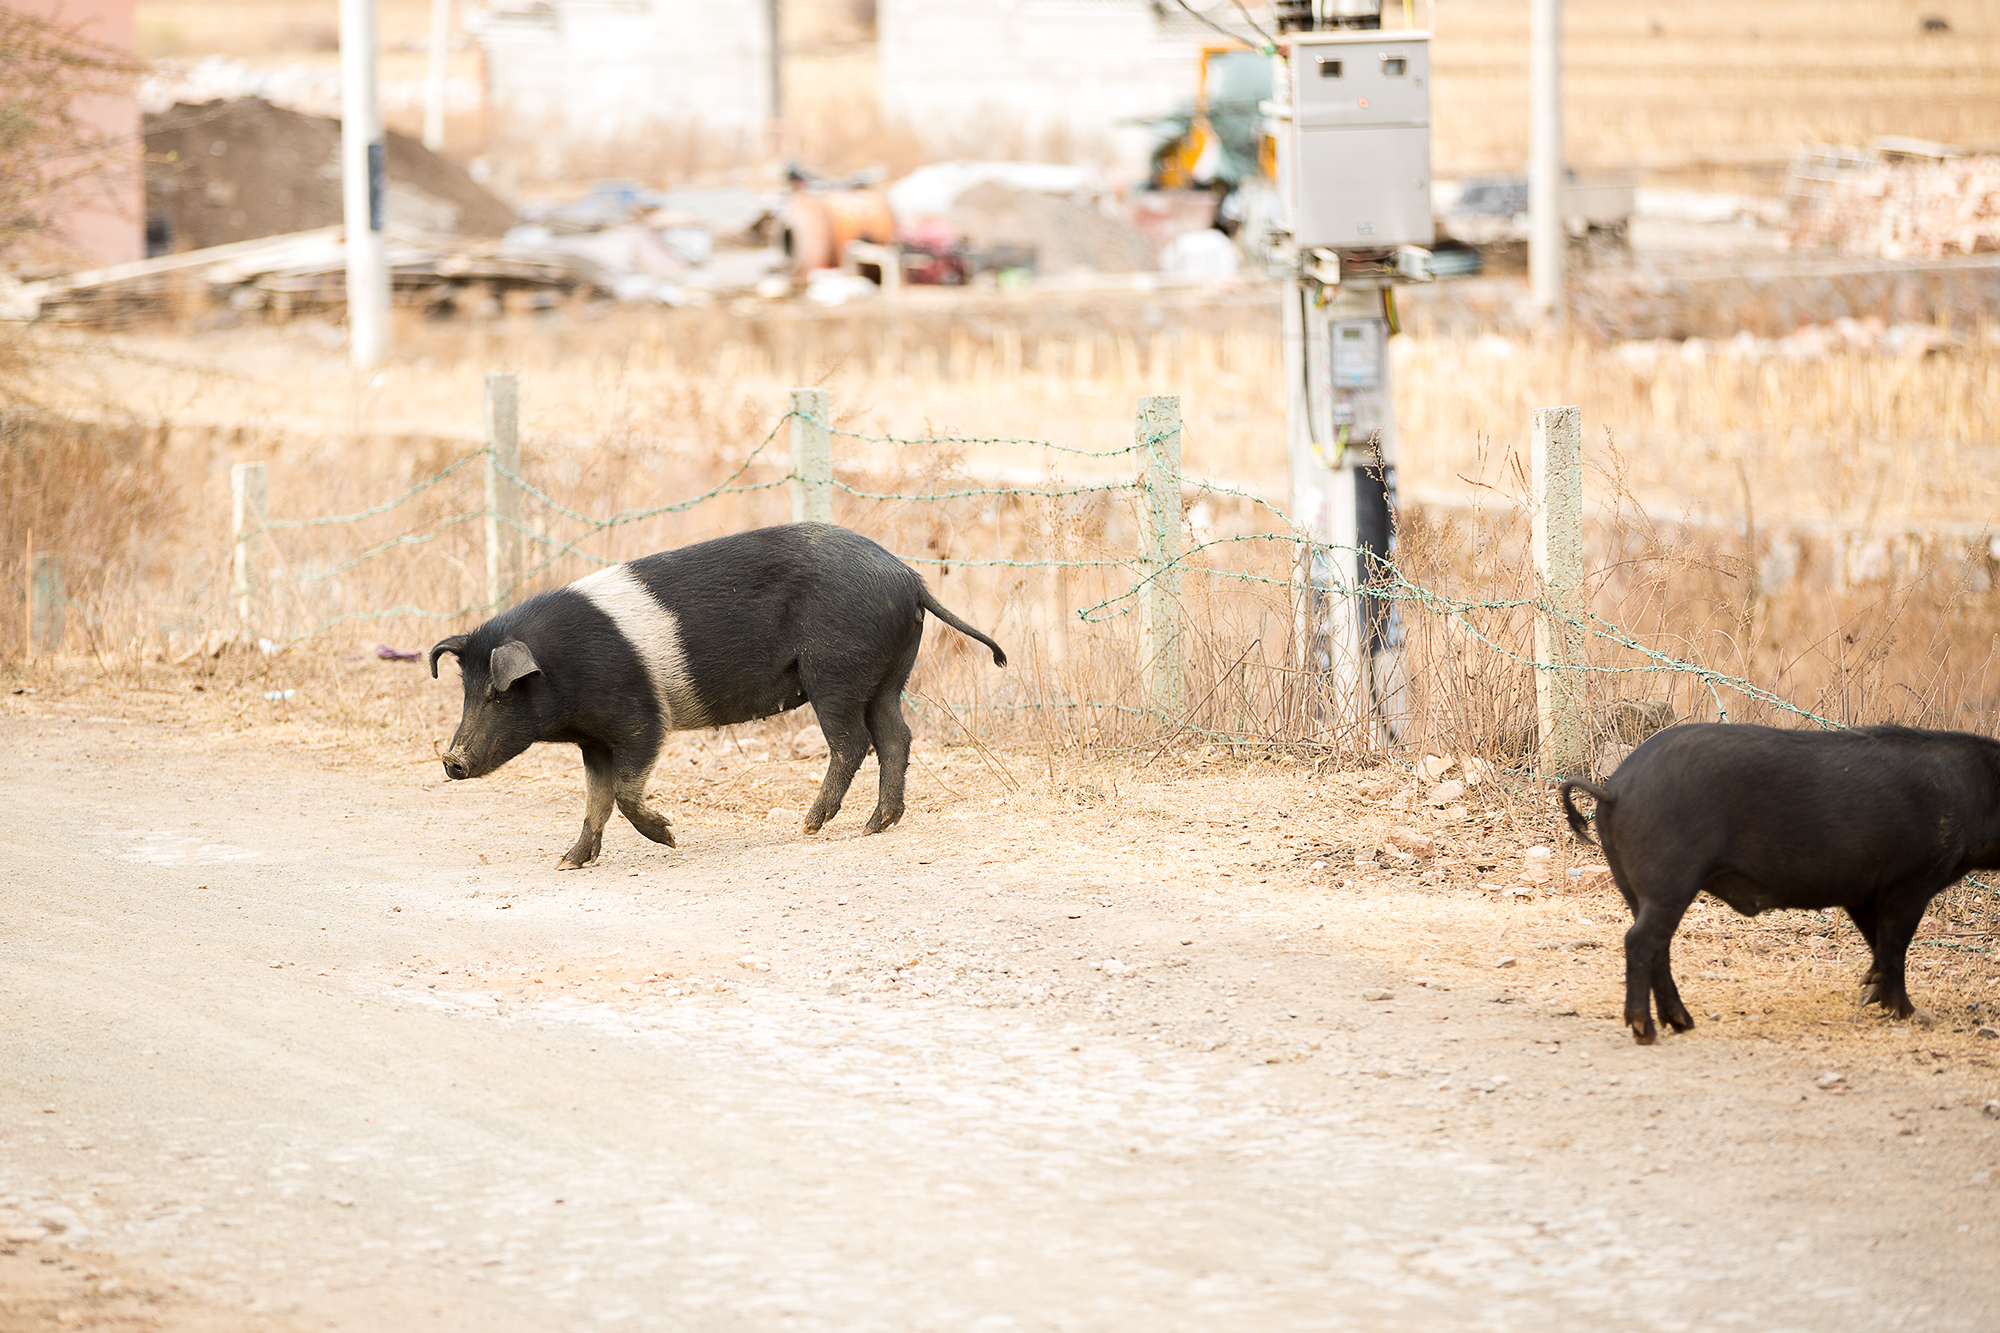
column 712, row 634
column 1876, row 820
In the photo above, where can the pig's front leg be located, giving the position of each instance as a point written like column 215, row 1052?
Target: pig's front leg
column 632, row 801
column 600, row 774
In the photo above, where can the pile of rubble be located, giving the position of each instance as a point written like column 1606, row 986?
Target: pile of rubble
column 244, row 215
column 1911, row 209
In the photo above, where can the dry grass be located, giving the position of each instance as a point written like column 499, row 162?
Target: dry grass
column 1709, row 84
column 1814, row 526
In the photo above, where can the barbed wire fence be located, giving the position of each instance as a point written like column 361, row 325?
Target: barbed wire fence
column 1129, row 572
column 1156, row 606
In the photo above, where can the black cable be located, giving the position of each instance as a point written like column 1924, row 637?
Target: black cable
column 1269, row 45
column 1234, row 37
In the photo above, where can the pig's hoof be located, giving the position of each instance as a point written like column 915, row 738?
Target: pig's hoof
column 1645, row 1033
column 1682, row 1022
column 567, row 864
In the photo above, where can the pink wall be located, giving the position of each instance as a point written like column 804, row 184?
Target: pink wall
column 103, row 219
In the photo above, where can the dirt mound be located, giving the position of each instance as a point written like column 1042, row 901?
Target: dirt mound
column 1066, row 236
column 236, row 170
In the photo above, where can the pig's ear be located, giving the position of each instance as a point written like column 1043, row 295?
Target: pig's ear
column 511, row 661
column 455, row 645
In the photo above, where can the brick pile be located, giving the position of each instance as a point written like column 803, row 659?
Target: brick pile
column 1908, row 211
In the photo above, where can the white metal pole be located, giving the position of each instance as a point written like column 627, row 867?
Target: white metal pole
column 434, row 72
column 1545, row 156
column 364, row 186
column 773, row 26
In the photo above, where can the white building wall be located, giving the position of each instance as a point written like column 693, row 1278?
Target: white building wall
column 598, row 71
column 1037, row 78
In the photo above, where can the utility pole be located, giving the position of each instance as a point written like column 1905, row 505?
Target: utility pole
column 1354, row 173
column 773, row 14
column 364, row 186
column 434, row 73
column 1545, row 157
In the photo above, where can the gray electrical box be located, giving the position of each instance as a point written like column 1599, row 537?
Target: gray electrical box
column 1360, row 139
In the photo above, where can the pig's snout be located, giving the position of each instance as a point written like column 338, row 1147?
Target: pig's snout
column 454, row 767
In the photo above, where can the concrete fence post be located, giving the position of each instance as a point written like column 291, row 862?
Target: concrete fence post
column 46, row 600
column 250, row 510
column 1560, row 695
column 504, row 539
column 812, row 456
column 1158, row 429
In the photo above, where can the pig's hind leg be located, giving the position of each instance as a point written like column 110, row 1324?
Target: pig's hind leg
column 1647, row 949
column 847, row 745
column 891, row 735
column 1895, row 926
column 1668, row 996
column 631, row 793
column 600, row 784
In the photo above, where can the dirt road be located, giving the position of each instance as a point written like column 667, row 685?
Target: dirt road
column 294, row 1039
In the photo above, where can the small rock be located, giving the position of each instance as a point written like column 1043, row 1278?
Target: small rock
column 1112, row 967
column 1411, row 841
column 1991, row 1110
column 1435, row 766
column 22, row 1235
column 784, row 814
column 1989, row 1033
column 1445, row 793
column 1377, row 995
column 1830, row 1079
column 1536, row 873
column 756, row 962
column 1508, row 961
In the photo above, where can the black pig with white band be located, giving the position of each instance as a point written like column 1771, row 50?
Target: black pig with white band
column 721, row 632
